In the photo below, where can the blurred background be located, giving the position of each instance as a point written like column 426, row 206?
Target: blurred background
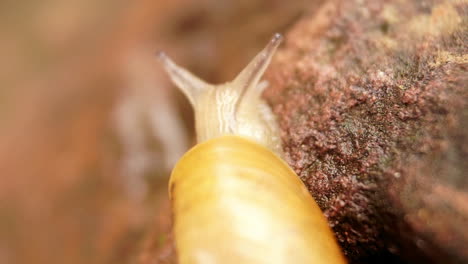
column 91, row 126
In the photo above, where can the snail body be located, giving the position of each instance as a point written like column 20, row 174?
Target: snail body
column 234, row 200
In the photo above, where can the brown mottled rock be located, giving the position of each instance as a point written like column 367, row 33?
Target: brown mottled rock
column 371, row 96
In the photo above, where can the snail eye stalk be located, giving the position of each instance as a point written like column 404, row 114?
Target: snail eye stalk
column 189, row 84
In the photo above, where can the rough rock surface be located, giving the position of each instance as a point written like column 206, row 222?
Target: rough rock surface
column 372, row 98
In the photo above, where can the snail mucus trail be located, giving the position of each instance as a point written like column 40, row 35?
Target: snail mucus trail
column 234, row 199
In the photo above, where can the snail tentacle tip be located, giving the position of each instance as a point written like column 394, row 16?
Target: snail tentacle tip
column 161, row 55
column 188, row 83
column 275, row 42
column 252, row 73
column 277, row 37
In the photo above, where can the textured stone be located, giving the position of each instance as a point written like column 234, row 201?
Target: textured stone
column 371, row 99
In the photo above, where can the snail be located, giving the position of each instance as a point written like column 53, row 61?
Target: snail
column 234, row 200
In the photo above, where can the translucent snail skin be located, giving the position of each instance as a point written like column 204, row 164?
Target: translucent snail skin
column 234, row 200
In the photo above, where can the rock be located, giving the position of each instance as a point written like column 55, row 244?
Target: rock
column 371, row 97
